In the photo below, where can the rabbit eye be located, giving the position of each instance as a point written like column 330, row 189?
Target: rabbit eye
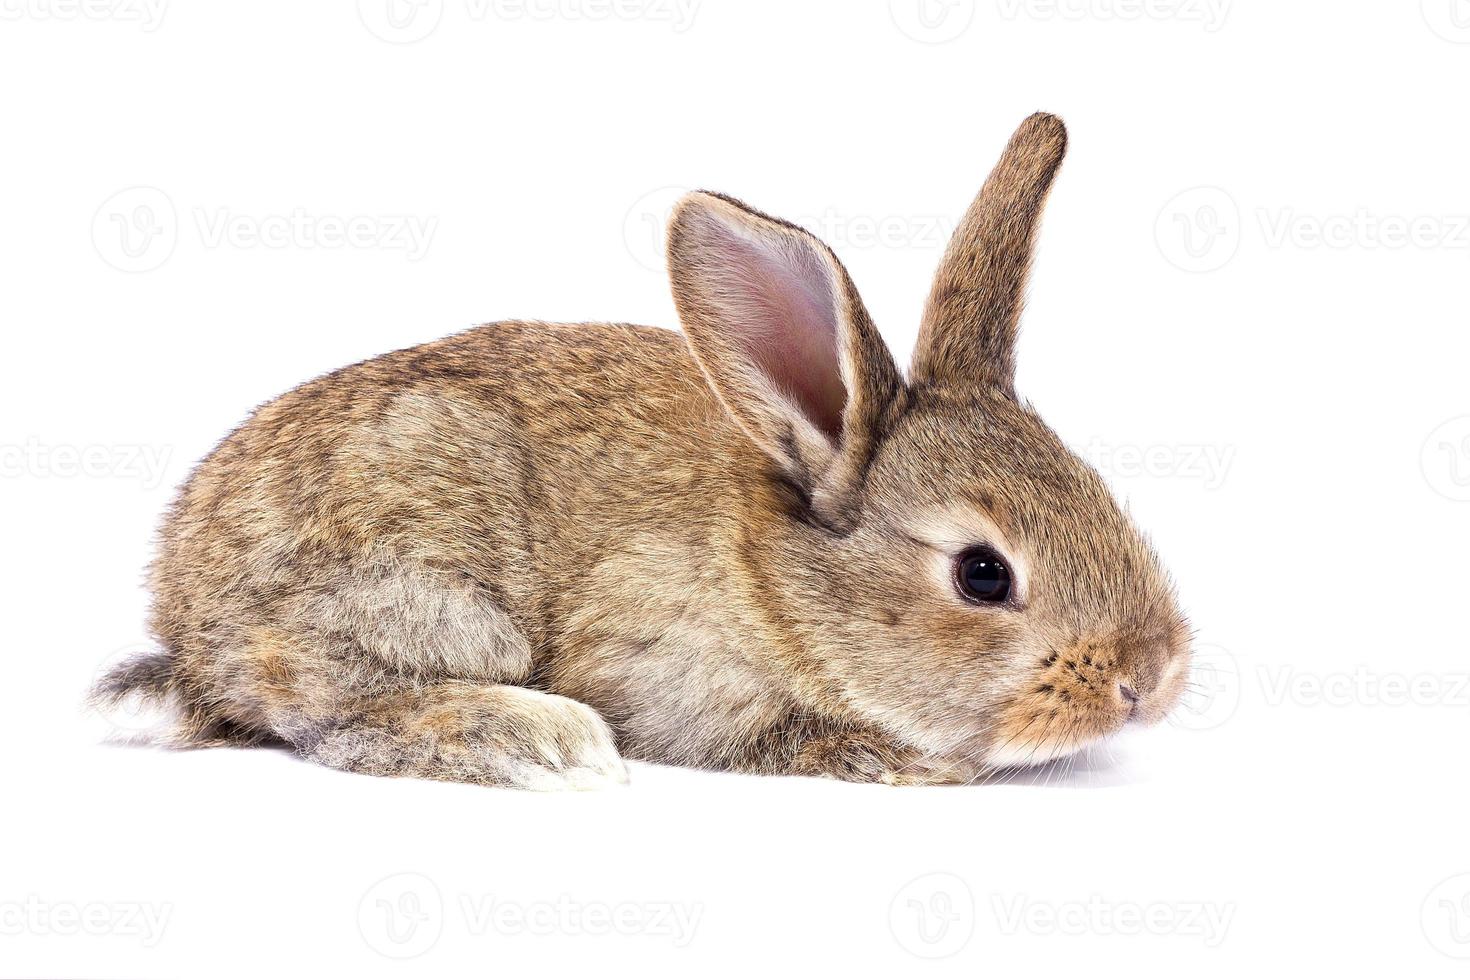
column 983, row 575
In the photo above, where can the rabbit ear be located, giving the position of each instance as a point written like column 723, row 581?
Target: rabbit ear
column 781, row 334
column 968, row 335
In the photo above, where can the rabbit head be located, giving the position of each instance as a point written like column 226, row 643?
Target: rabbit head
column 936, row 560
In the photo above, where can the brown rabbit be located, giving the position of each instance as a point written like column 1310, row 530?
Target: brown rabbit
column 517, row 554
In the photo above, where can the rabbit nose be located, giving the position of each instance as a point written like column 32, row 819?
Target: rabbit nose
column 1129, row 696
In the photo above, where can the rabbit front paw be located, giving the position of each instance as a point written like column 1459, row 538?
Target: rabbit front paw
column 491, row 735
column 867, row 757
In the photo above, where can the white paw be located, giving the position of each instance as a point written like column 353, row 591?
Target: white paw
column 556, row 743
column 543, row 780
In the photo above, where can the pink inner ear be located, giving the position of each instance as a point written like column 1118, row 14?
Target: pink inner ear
column 777, row 303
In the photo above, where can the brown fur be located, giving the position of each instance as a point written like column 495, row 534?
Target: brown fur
column 517, row 554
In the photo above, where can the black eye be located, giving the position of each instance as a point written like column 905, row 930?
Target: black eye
column 983, row 576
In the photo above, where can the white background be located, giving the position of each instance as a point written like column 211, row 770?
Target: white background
column 1248, row 307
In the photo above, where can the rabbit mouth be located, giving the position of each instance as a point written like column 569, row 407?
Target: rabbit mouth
column 1085, row 692
column 1056, row 718
column 1015, row 752
column 1078, row 702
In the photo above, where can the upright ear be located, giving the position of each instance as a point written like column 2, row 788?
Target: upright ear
column 968, row 335
column 781, row 335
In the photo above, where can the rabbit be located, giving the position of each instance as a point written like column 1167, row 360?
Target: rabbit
column 521, row 554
